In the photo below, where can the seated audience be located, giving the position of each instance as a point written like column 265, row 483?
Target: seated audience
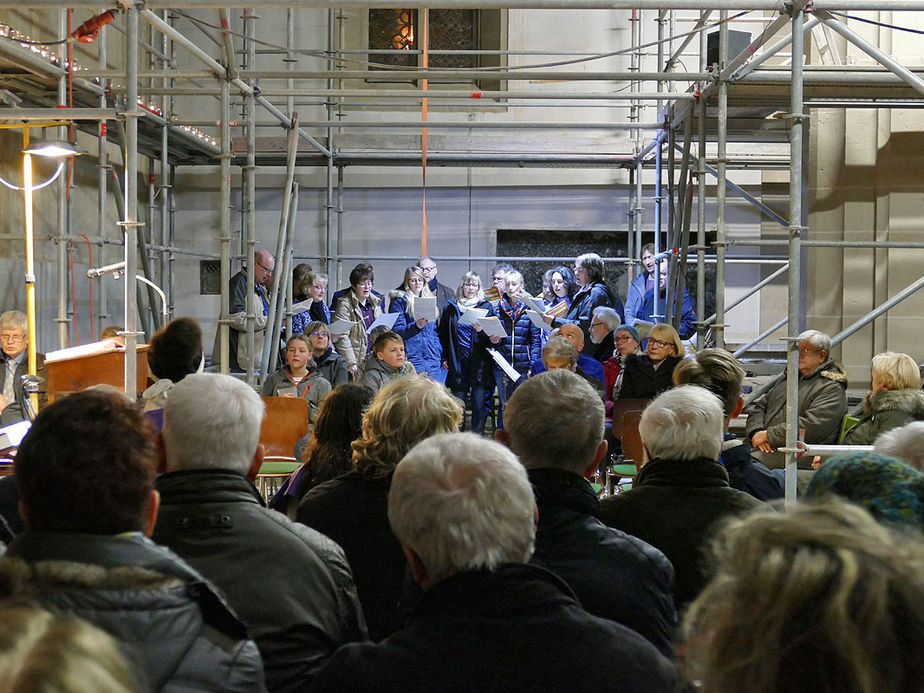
column 360, row 305
column 822, row 404
column 905, row 444
column 719, row 372
column 387, row 363
column 175, row 352
column 627, row 341
column 603, row 321
column 819, row 598
column 85, row 473
column 589, row 366
column 329, row 363
column 682, row 491
column 891, row 491
column 416, row 329
column 648, row 375
column 463, row 511
column 895, row 400
column 560, row 354
column 290, row 585
column 14, row 363
column 328, row 453
column 299, row 378
column 352, row 509
column 44, row 652
column 614, row 575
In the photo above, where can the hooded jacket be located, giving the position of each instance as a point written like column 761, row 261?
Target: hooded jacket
column 885, row 410
column 313, row 388
column 377, row 373
column 331, row 365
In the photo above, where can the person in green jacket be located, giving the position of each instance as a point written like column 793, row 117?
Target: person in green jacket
column 895, row 400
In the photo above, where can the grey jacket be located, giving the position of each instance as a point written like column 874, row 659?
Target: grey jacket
column 177, row 632
column 822, row 406
column 376, row 374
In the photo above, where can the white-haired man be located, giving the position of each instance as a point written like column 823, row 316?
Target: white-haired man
column 604, row 320
column 463, row 509
column 905, row 444
column 290, row 585
column 822, row 404
column 615, row 576
column 14, row 363
column 682, row 491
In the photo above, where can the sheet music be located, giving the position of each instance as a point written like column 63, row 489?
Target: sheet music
column 386, row 319
column 423, row 307
column 493, row 327
column 298, row 308
column 472, row 316
column 504, row 364
column 537, row 320
column 536, row 304
column 339, row 327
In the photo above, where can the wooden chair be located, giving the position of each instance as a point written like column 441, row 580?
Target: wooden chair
column 626, row 415
column 285, row 423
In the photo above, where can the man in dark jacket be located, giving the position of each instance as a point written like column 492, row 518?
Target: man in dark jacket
column 14, row 363
column 615, row 576
column 464, row 512
column 239, row 356
column 682, row 492
column 442, row 292
column 822, row 404
column 291, row 585
column 85, row 473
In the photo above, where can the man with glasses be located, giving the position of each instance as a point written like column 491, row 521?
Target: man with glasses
column 442, row 292
column 240, row 358
column 822, row 404
column 328, row 362
column 14, row 342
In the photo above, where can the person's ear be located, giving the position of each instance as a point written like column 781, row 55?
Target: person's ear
column 153, row 507
column 500, row 435
column 418, row 570
column 739, row 405
column 256, row 462
column 600, row 453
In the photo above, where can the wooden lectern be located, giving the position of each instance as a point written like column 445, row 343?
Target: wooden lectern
column 79, row 373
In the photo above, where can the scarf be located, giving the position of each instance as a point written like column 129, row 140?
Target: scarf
column 513, row 312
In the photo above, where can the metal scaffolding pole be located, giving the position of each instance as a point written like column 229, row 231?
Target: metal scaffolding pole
column 62, row 230
column 701, row 329
column 130, row 188
column 102, row 172
column 721, row 165
column 329, row 191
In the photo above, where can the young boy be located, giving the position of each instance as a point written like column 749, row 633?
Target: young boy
column 387, row 363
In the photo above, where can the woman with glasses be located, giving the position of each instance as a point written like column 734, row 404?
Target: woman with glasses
column 463, row 350
column 360, row 306
column 648, row 375
column 593, row 292
column 419, row 333
column 329, row 363
column 627, row 342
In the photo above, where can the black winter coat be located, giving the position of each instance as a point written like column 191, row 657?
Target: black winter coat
column 290, row 585
column 474, row 364
column 582, row 307
column 615, row 576
column 641, row 380
column 517, row 628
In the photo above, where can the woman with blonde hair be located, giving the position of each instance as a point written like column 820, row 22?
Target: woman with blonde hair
column 819, row 598
column 417, row 327
column 895, row 400
column 648, row 375
column 353, row 509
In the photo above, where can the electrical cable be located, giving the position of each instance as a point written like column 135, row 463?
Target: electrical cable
column 875, row 23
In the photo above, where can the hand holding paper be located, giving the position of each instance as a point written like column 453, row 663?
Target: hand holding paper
column 492, row 327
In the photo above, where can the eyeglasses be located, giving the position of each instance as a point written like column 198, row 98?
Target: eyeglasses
column 472, row 284
column 659, row 343
column 267, row 269
column 365, row 282
column 12, row 338
column 319, row 334
column 624, row 338
column 427, row 270
column 597, row 324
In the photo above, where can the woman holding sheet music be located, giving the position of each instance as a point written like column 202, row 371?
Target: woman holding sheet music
column 593, row 292
column 415, row 305
column 463, row 351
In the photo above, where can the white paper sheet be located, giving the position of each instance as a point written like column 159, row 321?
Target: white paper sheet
column 386, row 319
column 504, row 364
column 535, row 304
column 493, row 327
column 339, row 327
column 538, row 321
column 472, row 316
column 298, row 308
column 423, row 307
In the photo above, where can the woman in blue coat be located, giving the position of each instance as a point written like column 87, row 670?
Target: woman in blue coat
column 521, row 346
column 420, row 338
column 463, row 349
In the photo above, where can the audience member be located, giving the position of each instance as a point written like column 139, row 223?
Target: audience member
column 299, row 290
column 468, row 366
column 175, row 352
column 589, row 366
column 719, row 372
column 352, row 509
column 820, row 598
column 822, row 404
column 85, row 473
column 239, row 356
column 290, row 585
column 522, row 345
column 588, row 271
column 614, row 575
column 890, row 490
column 442, row 292
column 627, row 341
column 463, row 510
column 560, row 354
column 358, row 305
column 416, row 326
column 641, row 285
column 328, row 453
column 905, row 444
column 299, row 377
column 14, row 343
column 648, row 311
column 329, row 363
column 603, row 321
column 387, row 363
column 44, row 652
column 895, row 399
column 682, row 491
column 649, row 374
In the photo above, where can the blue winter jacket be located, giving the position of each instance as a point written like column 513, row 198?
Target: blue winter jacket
column 422, row 346
column 687, row 313
column 523, row 343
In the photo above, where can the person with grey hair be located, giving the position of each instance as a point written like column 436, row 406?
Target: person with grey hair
column 905, row 444
column 614, row 575
column 463, row 510
column 603, row 322
column 14, row 364
column 290, row 585
column 682, row 491
column 822, row 404
column 593, row 292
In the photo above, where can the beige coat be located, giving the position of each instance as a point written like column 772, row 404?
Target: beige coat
column 354, row 345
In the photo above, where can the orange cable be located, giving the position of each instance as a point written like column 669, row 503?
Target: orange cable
column 423, row 132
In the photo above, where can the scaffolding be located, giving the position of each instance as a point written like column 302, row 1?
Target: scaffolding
column 727, row 101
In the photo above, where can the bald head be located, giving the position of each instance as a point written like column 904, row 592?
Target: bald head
column 573, row 334
column 263, row 265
